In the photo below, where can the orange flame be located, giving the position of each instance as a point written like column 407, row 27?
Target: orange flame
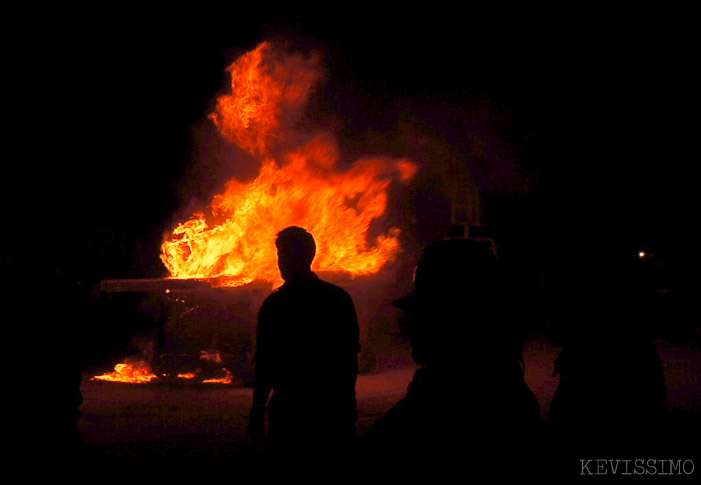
column 269, row 90
column 234, row 241
column 140, row 372
column 227, row 379
column 134, row 373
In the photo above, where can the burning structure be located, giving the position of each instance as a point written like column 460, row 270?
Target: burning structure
column 222, row 260
column 224, row 255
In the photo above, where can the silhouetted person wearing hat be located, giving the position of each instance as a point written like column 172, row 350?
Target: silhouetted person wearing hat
column 468, row 408
column 306, row 356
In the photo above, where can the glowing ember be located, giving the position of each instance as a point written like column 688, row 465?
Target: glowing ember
column 227, row 379
column 134, row 373
column 234, row 240
column 210, row 356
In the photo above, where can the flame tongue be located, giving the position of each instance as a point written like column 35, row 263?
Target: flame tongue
column 269, row 90
column 303, row 187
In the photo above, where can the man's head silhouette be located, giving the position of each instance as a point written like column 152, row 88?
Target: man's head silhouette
column 295, row 251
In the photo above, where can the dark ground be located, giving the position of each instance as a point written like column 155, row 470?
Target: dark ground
column 201, row 425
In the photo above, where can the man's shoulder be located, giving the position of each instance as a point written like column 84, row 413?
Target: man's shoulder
column 277, row 294
column 330, row 286
column 318, row 289
column 332, row 289
column 315, row 284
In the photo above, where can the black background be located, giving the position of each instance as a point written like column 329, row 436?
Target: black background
column 592, row 103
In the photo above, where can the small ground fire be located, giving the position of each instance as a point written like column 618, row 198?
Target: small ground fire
column 139, row 371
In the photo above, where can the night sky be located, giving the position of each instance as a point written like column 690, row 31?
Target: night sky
column 586, row 110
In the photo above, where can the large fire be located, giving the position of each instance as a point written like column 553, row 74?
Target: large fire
column 233, row 240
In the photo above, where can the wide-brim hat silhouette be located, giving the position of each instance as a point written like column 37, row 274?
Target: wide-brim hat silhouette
column 452, row 268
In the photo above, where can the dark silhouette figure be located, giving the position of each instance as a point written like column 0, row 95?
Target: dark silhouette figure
column 611, row 397
column 306, row 355
column 468, row 408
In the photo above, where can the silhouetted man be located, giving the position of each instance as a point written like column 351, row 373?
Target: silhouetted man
column 306, row 354
column 468, row 409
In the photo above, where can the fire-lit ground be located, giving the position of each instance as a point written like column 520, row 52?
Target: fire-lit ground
column 146, row 423
column 187, row 420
